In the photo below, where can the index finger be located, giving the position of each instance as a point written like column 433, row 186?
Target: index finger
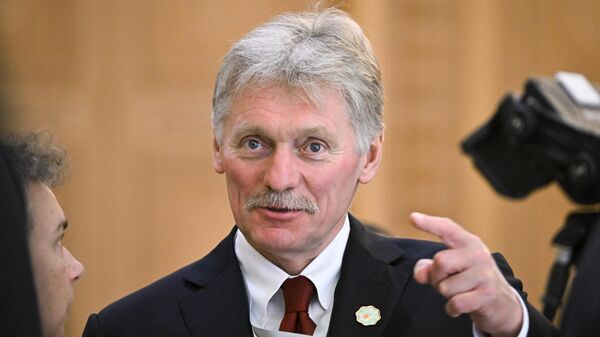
column 452, row 234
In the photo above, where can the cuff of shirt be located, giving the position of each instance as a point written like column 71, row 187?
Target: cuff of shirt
column 524, row 327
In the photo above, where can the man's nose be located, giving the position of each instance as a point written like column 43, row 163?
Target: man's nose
column 282, row 172
column 75, row 268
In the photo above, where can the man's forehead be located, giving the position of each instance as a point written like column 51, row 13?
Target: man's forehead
column 280, row 102
column 37, row 191
column 316, row 96
column 275, row 109
column 44, row 207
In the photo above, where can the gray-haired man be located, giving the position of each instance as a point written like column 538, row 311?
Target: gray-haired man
column 298, row 125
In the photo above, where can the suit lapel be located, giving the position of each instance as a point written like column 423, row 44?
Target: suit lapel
column 368, row 277
column 220, row 307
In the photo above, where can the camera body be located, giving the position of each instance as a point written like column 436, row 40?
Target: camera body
column 550, row 132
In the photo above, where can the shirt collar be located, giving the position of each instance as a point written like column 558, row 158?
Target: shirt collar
column 263, row 278
column 324, row 270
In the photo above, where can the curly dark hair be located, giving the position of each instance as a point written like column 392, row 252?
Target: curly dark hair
column 36, row 157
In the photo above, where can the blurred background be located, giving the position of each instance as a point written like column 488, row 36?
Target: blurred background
column 126, row 85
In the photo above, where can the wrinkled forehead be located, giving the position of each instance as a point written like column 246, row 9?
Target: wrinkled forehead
column 289, row 100
column 315, row 94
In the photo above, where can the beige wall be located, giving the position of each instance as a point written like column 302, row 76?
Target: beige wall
column 126, row 86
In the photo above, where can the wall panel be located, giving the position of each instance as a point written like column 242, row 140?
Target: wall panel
column 126, row 86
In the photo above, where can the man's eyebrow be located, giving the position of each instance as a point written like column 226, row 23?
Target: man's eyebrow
column 316, row 131
column 247, row 129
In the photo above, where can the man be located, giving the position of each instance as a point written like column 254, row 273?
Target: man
column 39, row 164
column 297, row 121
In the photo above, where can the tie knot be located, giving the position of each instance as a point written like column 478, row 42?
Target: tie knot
column 297, row 292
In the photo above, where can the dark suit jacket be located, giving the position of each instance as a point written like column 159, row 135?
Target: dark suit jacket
column 208, row 298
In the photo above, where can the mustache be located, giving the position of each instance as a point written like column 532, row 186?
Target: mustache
column 286, row 200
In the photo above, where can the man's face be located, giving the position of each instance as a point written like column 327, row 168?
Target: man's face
column 275, row 141
column 55, row 270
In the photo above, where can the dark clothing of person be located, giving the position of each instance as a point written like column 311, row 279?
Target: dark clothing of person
column 18, row 304
column 581, row 317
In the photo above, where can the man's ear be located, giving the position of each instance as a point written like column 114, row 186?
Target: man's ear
column 217, row 160
column 373, row 160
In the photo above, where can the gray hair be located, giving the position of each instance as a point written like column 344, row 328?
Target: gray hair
column 36, row 158
column 306, row 52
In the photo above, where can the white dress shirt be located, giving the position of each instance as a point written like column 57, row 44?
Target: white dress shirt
column 263, row 280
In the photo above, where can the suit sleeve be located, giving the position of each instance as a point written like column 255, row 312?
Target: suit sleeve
column 92, row 327
column 539, row 326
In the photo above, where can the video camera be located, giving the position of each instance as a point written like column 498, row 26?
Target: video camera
column 552, row 132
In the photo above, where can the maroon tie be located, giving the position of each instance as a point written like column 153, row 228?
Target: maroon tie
column 297, row 293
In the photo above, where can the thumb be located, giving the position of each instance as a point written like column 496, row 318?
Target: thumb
column 421, row 270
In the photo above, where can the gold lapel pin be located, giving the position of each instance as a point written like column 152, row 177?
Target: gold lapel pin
column 368, row 315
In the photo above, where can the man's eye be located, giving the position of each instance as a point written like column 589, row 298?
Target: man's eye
column 252, row 144
column 315, row 147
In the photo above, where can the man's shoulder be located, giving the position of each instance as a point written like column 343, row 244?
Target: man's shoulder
column 172, row 288
column 388, row 248
column 149, row 311
column 418, row 248
column 159, row 294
